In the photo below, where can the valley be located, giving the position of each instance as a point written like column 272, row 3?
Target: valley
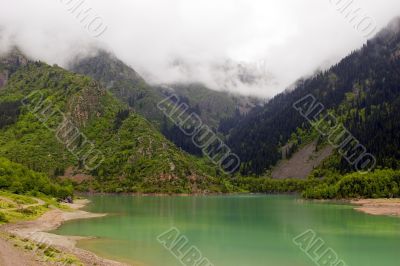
column 102, row 162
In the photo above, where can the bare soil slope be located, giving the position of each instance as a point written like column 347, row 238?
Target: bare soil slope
column 302, row 162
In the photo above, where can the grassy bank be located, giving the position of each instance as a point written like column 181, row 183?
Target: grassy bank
column 16, row 207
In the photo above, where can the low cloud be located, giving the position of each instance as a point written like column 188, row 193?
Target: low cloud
column 255, row 47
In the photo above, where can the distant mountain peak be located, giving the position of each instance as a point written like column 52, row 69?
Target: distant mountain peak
column 105, row 67
column 13, row 55
column 395, row 23
column 9, row 63
column 390, row 31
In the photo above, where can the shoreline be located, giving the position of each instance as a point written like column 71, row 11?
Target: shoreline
column 38, row 231
column 83, row 194
column 382, row 207
column 378, row 207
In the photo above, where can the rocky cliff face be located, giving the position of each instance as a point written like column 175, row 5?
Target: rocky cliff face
column 86, row 104
column 9, row 63
column 3, row 78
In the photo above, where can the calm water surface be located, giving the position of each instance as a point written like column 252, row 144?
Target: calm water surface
column 235, row 230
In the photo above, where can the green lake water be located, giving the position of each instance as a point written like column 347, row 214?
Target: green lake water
column 235, row 230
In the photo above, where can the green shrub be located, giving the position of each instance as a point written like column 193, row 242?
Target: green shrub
column 20, row 180
column 3, row 217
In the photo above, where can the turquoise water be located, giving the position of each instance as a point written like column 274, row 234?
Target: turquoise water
column 235, row 230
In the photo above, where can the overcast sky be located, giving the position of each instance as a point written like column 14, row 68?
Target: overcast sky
column 199, row 40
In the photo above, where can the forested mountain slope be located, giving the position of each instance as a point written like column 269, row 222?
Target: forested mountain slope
column 214, row 108
column 52, row 120
column 122, row 81
column 362, row 91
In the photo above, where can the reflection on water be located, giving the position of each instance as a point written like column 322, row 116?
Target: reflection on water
column 235, row 230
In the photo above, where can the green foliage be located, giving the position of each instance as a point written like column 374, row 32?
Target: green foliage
column 325, row 184
column 136, row 156
column 21, row 180
column 269, row 185
column 3, row 218
column 9, row 112
column 378, row 184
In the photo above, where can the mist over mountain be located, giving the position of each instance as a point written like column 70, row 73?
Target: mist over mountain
column 239, row 46
column 361, row 91
column 199, row 132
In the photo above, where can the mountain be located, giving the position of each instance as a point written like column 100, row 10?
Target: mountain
column 122, row 81
column 217, row 109
column 101, row 130
column 65, row 124
column 9, row 64
column 361, row 91
column 213, row 107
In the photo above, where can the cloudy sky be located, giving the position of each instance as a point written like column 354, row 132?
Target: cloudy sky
column 209, row 41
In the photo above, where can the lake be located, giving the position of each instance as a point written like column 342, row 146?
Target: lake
column 235, row 230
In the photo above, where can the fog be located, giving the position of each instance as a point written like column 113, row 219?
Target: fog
column 255, row 47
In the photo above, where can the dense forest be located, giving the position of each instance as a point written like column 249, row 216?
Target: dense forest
column 362, row 91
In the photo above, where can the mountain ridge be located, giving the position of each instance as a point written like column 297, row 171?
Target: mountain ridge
column 51, row 103
column 358, row 89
